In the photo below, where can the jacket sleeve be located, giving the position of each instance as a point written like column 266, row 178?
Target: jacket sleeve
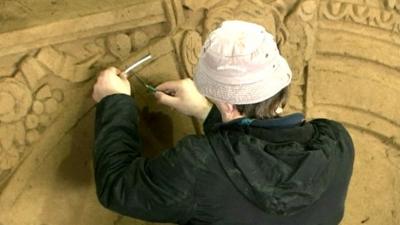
column 156, row 189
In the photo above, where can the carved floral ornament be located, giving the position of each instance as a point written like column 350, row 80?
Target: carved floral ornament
column 23, row 117
column 32, row 96
column 15, row 99
column 257, row 11
column 191, row 47
column 30, row 104
column 362, row 14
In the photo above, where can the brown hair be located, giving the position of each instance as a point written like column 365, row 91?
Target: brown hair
column 267, row 108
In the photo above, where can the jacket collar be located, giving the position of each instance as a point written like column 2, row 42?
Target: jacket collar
column 273, row 123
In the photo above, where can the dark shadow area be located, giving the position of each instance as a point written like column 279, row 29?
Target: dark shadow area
column 156, row 132
column 75, row 169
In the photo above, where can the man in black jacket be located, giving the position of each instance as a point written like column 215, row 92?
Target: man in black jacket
column 252, row 165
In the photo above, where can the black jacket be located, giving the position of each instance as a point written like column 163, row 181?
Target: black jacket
column 272, row 172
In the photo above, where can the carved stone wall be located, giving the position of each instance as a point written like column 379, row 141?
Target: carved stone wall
column 345, row 55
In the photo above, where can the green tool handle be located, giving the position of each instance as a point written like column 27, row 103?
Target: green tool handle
column 151, row 88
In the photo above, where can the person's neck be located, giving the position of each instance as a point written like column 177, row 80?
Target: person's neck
column 228, row 111
column 228, row 118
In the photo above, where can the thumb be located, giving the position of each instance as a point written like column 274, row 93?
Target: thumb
column 166, row 99
column 123, row 76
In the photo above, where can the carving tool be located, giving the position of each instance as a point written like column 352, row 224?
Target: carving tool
column 136, row 64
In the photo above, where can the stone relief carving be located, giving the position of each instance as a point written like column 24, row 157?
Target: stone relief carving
column 302, row 26
column 191, row 46
column 370, row 15
column 358, row 44
column 32, row 102
column 362, row 14
column 16, row 99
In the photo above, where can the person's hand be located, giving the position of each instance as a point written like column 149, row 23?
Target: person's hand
column 110, row 81
column 184, row 97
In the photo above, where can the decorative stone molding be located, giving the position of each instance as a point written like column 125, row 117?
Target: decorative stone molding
column 362, row 14
column 62, row 55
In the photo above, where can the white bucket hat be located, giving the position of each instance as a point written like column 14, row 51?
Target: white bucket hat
column 240, row 64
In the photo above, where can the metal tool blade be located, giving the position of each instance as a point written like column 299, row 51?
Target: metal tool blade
column 138, row 63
